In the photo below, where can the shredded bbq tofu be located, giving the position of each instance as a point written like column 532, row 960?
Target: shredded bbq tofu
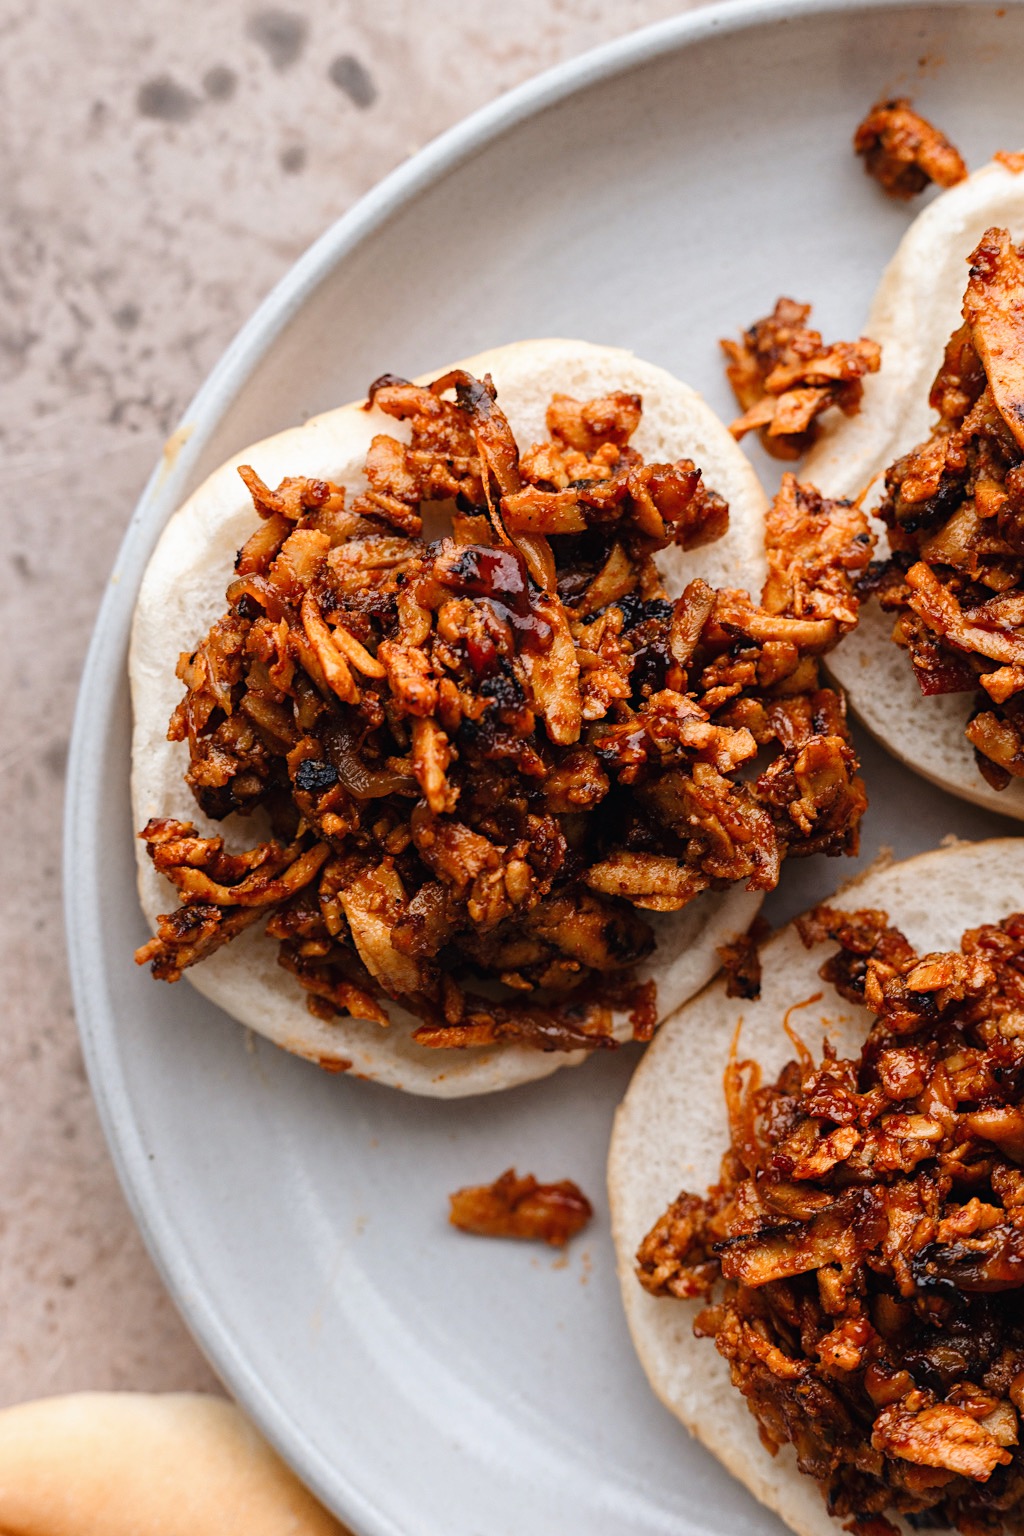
column 954, row 510
column 520, row 1207
column 862, row 1258
column 784, row 376
column 484, row 759
column 741, row 961
column 903, row 152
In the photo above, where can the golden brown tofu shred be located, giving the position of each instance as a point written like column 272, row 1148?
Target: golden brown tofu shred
column 479, row 760
column 904, row 152
column 784, row 377
column 519, row 1206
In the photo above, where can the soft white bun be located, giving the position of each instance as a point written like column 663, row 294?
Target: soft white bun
column 925, row 733
column 671, row 1131
column 916, row 310
column 127, row 1464
column 183, row 592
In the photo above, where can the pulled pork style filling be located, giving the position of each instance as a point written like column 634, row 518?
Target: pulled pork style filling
column 954, row 510
column 863, row 1255
column 485, row 757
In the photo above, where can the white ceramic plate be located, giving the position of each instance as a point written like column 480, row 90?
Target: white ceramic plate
column 657, row 194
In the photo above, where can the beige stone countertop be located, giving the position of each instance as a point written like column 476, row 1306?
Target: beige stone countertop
column 161, row 165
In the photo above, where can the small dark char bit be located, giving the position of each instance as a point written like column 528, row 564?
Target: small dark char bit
column 503, row 688
column 315, row 777
column 246, row 607
column 861, row 1260
column 904, row 152
column 635, row 610
column 521, row 1207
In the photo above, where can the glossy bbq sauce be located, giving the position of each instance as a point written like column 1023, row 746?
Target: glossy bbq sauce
column 499, row 577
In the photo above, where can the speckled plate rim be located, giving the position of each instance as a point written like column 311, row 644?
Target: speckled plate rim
column 105, row 661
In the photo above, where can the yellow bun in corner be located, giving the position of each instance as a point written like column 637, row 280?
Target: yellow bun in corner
column 672, row 1129
column 916, row 310
column 130, row 1464
column 182, row 593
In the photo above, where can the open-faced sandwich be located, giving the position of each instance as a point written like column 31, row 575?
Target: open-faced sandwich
column 820, row 1230
column 457, row 727
column 936, row 668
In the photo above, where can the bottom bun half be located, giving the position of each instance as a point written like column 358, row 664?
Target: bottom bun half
column 671, row 1131
column 182, row 594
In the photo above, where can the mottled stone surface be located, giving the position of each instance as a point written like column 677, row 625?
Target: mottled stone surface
column 161, row 165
